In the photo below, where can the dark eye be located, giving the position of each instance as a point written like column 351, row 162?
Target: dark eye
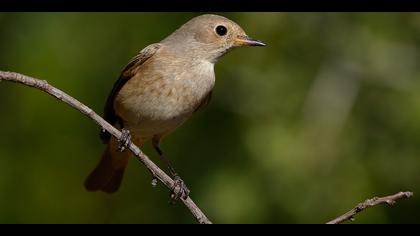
column 221, row 30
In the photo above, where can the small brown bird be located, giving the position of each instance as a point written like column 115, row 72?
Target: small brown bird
column 161, row 88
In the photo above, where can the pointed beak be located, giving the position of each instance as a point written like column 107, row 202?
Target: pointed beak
column 244, row 40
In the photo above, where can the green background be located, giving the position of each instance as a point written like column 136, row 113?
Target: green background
column 325, row 116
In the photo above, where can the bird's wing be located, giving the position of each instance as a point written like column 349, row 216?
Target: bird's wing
column 129, row 71
column 204, row 102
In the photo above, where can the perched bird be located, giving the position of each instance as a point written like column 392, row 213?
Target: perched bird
column 161, row 88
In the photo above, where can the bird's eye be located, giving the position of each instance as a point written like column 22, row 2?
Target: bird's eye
column 221, row 30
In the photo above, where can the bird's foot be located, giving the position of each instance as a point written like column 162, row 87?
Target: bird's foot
column 125, row 140
column 179, row 190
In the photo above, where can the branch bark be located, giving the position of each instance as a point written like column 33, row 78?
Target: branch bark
column 62, row 96
column 390, row 200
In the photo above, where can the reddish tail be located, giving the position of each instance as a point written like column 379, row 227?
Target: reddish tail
column 108, row 174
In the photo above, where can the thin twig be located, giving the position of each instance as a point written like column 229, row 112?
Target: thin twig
column 60, row 95
column 390, row 200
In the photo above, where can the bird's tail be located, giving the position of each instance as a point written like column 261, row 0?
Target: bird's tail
column 108, row 174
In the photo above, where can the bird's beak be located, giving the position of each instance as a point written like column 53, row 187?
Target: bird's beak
column 244, row 40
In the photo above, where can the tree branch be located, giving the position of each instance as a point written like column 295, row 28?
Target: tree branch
column 60, row 95
column 390, row 200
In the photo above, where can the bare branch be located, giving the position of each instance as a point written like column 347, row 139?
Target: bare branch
column 60, row 95
column 390, row 200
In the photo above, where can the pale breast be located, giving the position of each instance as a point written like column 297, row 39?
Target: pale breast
column 163, row 95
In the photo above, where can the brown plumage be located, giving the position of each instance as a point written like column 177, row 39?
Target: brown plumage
column 162, row 87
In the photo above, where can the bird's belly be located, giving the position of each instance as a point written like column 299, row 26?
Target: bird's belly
column 159, row 106
column 158, row 115
column 147, row 128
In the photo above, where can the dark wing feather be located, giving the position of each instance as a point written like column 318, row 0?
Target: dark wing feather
column 128, row 72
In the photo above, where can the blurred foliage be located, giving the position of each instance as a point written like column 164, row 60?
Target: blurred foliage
column 325, row 116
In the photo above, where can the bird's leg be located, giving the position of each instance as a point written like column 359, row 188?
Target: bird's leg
column 125, row 140
column 179, row 189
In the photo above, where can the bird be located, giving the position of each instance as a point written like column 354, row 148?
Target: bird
column 159, row 89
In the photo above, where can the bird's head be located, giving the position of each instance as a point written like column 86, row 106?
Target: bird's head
column 209, row 37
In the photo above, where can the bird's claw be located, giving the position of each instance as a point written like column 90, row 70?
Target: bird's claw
column 125, row 140
column 179, row 190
